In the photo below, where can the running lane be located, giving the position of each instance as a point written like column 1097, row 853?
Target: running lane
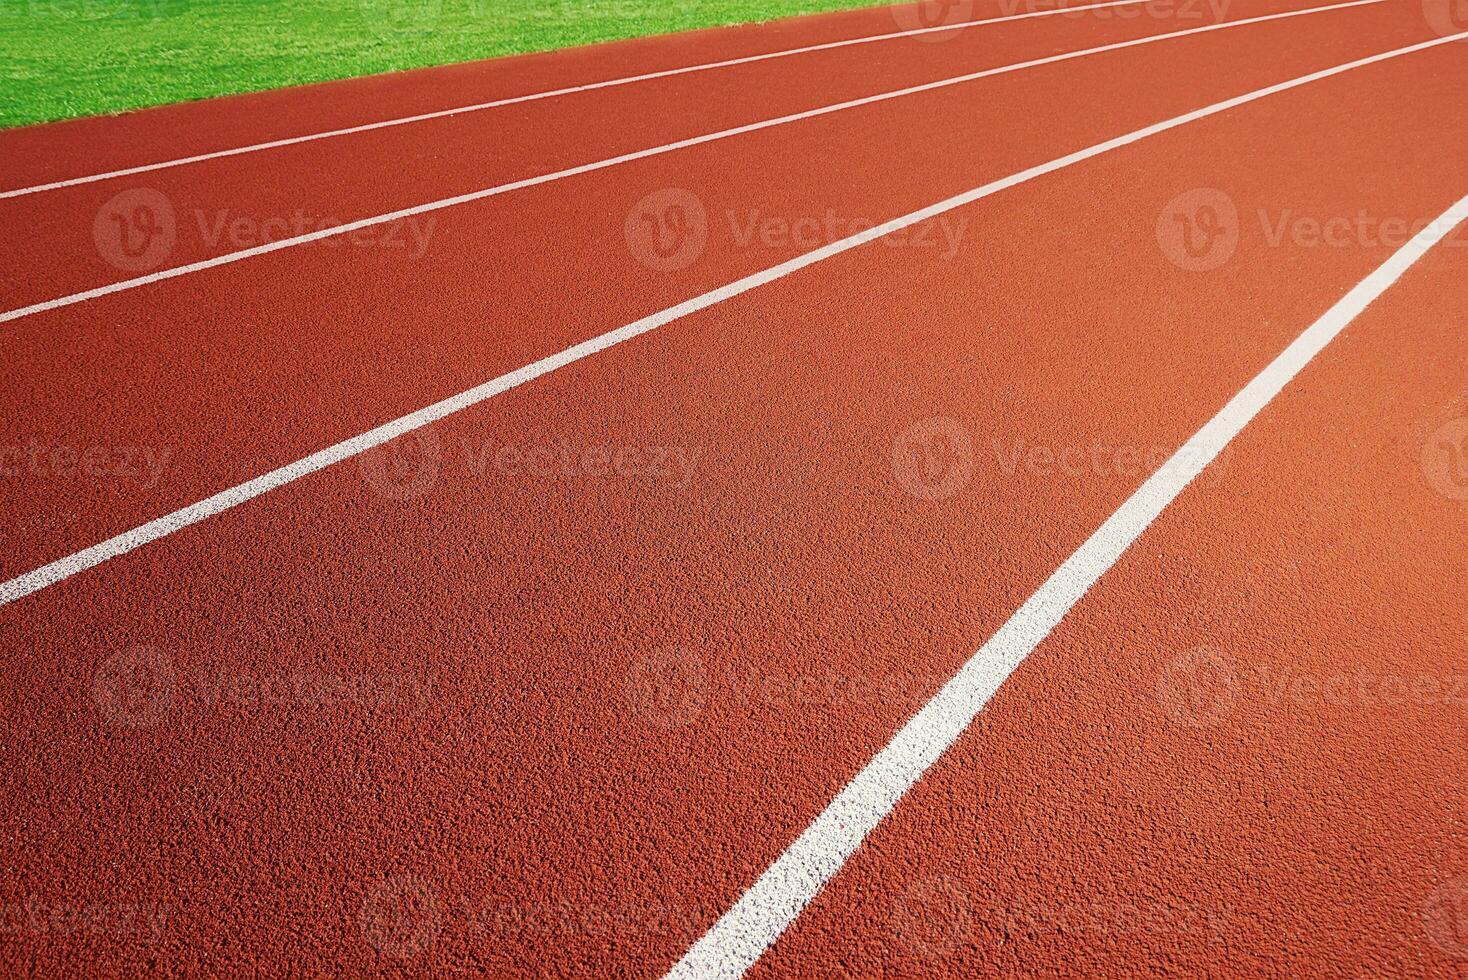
column 87, row 236
column 75, row 148
column 551, row 721
column 190, row 386
column 1243, row 752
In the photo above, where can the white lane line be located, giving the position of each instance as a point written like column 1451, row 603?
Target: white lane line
column 64, row 568
column 766, row 910
column 351, row 226
column 554, row 93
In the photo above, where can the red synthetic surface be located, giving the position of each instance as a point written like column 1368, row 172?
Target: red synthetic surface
column 509, row 782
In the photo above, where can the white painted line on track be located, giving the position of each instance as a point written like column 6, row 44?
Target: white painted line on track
column 479, row 195
column 64, row 568
column 765, row 911
column 554, row 93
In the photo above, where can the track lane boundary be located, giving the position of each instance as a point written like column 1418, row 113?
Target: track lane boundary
column 763, row 913
column 538, row 96
column 73, row 564
column 229, row 258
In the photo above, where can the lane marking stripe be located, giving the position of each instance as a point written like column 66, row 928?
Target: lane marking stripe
column 765, row 911
column 554, row 93
column 479, row 195
column 64, row 568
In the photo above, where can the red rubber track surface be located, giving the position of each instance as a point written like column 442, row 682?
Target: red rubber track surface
column 230, row 380
column 1259, row 770
column 511, row 792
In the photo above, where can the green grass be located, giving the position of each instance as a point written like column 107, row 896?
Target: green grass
column 64, row 58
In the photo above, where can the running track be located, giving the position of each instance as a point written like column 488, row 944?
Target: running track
column 585, row 672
